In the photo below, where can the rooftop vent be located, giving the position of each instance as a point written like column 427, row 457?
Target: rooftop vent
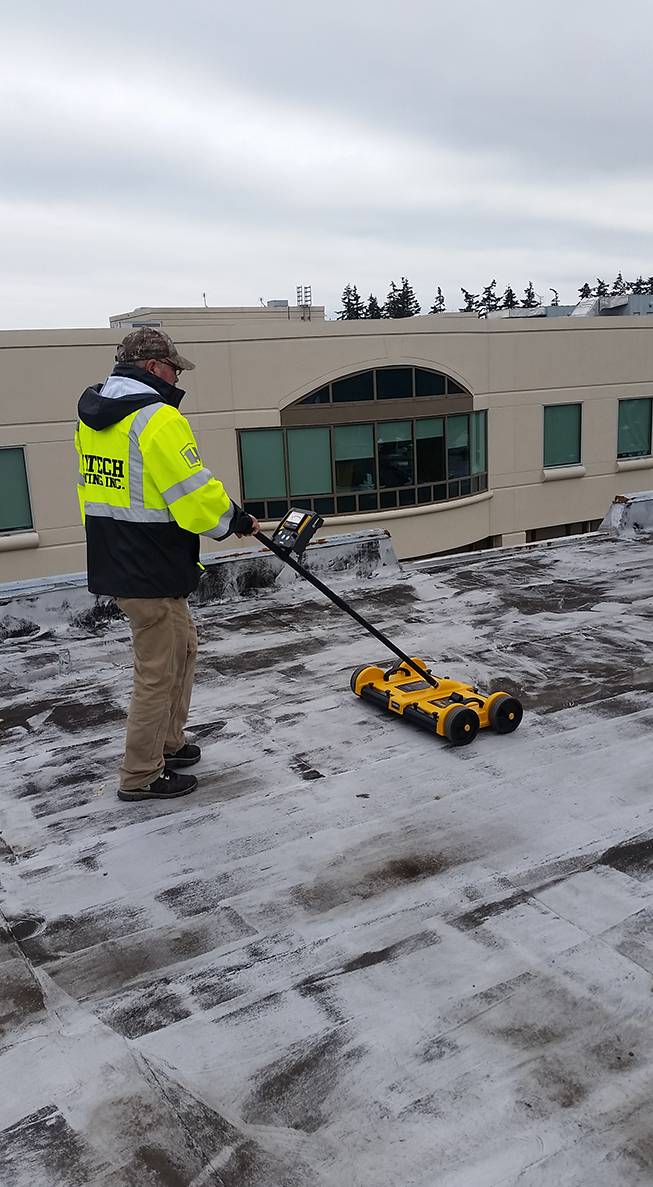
column 615, row 302
column 586, row 308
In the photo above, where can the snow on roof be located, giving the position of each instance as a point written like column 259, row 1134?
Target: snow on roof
column 355, row 955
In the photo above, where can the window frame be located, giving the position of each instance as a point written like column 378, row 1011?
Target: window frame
column 385, row 498
column 29, row 528
column 561, row 465
column 347, row 493
column 286, row 453
column 625, row 457
column 452, row 388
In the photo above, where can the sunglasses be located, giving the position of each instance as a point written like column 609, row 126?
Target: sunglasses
column 177, row 370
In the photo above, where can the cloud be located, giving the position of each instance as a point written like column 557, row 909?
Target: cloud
column 565, row 84
column 143, row 150
column 121, row 263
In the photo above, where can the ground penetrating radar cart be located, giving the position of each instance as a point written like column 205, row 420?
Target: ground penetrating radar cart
column 450, row 708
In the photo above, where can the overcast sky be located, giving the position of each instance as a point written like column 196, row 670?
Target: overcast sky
column 151, row 152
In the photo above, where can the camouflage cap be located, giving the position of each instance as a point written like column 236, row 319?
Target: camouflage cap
column 149, row 343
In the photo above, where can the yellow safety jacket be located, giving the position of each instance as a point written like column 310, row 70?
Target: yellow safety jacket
column 145, row 495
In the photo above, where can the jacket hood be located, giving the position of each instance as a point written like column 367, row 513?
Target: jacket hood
column 127, row 389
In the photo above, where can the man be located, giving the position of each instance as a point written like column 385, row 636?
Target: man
column 145, row 498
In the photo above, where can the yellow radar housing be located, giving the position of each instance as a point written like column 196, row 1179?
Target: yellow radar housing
column 454, row 710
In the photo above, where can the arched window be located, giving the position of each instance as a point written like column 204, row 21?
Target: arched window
column 385, row 383
column 376, row 440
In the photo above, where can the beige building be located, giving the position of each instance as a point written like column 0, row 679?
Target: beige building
column 181, row 317
column 448, row 431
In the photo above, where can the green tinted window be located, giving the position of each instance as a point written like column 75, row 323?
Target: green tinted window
column 394, row 441
column 263, row 468
column 309, row 461
column 344, row 468
column 432, row 426
column 15, row 514
column 354, row 457
column 429, row 446
column 562, row 435
column 390, row 431
column 634, row 438
column 458, row 446
column 479, row 443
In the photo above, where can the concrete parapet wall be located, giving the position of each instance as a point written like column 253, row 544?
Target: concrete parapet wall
column 238, row 574
column 629, row 514
column 28, row 608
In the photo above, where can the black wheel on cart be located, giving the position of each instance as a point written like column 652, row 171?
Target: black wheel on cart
column 505, row 714
column 355, row 674
column 461, row 725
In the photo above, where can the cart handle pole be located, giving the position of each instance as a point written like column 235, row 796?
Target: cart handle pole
column 287, row 557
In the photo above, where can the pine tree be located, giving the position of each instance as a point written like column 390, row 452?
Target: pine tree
column 618, row 286
column 530, row 300
column 358, row 305
column 638, row 286
column 392, row 301
column 556, row 297
column 409, row 301
column 401, row 302
column 509, row 299
column 438, row 304
column 489, row 300
column 649, row 285
column 601, row 289
column 373, row 310
column 343, row 314
column 585, row 292
column 352, row 306
column 471, row 301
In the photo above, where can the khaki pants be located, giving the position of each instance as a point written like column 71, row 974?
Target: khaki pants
column 165, row 651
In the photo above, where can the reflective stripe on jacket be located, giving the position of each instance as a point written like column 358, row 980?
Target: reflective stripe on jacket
column 145, row 495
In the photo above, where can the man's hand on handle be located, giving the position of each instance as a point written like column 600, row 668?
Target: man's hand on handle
column 245, row 525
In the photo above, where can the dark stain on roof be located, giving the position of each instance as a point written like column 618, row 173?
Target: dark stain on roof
column 633, row 857
column 326, row 894
column 248, row 942
column 294, row 1090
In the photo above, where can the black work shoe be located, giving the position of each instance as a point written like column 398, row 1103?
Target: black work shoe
column 166, row 787
column 186, row 756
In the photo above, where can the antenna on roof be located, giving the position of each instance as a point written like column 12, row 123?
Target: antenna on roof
column 205, row 304
column 305, row 300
